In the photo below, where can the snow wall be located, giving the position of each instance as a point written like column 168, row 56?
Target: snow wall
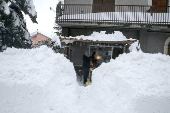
column 36, row 81
column 40, row 81
column 135, row 83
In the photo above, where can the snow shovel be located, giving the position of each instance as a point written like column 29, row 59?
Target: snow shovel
column 89, row 77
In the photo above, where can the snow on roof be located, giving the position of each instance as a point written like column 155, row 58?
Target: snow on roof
column 41, row 32
column 96, row 36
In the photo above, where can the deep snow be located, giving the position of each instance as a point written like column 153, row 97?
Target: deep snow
column 140, row 82
column 36, row 81
column 40, row 81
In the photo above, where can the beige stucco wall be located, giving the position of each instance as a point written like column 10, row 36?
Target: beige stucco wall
column 132, row 2
column 77, row 9
column 117, row 2
column 78, row 1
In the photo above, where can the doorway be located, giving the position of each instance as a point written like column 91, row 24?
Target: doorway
column 103, row 6
column 106, row 53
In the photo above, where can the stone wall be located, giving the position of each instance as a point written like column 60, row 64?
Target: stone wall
column 156, row 41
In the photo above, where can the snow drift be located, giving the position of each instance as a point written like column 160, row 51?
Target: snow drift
column 35, row 81
column 135, row 83
column 40, row 81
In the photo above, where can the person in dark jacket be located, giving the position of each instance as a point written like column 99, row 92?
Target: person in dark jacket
column 86, row 66
column 93, row 59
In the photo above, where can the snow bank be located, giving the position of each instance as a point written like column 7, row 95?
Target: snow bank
column 135, row 83
column 56, row 40
column 135, row 46
column 36, row 81
column 40, row 81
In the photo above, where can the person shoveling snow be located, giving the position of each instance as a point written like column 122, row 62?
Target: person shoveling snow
column 41, row 81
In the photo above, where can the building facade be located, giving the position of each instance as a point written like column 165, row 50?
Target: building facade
column 145, row 20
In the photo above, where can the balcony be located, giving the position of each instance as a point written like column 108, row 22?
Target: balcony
column 109, row 15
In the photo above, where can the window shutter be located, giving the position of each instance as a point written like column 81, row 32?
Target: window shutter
column 97, row 1
column 109, row 2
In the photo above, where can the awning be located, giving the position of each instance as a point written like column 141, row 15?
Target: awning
column 128, row 41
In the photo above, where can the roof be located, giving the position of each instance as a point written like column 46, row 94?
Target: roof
column 101, row 37
column 40, row 32
column 68, row 40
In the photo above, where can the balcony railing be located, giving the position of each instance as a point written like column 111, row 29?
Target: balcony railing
column 117, row 15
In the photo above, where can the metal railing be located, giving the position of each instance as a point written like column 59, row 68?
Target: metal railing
column 121, row 15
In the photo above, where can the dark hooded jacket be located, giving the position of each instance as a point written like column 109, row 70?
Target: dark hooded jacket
column 86, row 63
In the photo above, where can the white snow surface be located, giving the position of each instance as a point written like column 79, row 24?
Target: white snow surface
column 135, row 83
column 17, row 21
column 31, row 9
column 100, row 36
column 5, row 7
column 135, row 46
column 57, row 40
column 36, row 81
column 41, row 81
